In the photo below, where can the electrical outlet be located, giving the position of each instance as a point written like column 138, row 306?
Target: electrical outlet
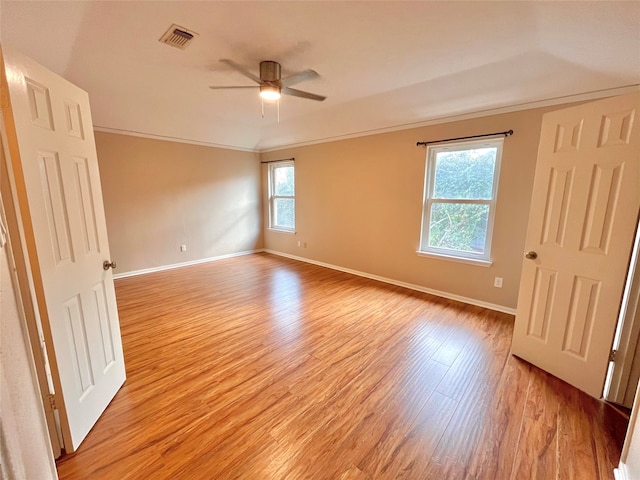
column 497, row 282
column 183, row 248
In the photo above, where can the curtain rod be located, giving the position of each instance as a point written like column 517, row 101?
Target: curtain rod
column 292, row 159
column 508, row 133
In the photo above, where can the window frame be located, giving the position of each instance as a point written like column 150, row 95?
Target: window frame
column 273, row 197
column 428, row 200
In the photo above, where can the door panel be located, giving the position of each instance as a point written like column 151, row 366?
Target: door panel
column 585, row 204
column 603, row 197
column 60, row 197
column 555, row 218
column 544, row 289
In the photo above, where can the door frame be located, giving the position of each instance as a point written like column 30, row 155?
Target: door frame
column 24, row 283
column 627, row 337
column 22, row 267
column 57, row 202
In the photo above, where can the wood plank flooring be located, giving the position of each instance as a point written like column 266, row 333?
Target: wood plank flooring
column 264, row 368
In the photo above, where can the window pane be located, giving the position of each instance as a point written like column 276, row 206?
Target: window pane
column 458, row 226
column 465, row 173
column 284, row 212
column 283, row 181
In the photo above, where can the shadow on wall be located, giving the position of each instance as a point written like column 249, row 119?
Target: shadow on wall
column 159, row 195
column 454, row 94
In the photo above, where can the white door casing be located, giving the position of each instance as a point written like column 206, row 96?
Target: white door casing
column 19, row 266
column 584, row 211
column 623, row 376
column 58, row 187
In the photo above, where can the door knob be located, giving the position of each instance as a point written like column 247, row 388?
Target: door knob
column 531, row 255
column 107, row 265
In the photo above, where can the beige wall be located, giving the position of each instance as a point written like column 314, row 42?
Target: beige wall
column 25, row 451
column 159, row 195
column 359, row 206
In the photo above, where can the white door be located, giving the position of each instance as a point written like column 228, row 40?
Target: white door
column 53, row 156
column 584, row 211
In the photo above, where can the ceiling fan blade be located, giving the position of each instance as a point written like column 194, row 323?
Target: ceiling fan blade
column 301, row 94
column 299, row 77
column 241, row 69
column 222, row 87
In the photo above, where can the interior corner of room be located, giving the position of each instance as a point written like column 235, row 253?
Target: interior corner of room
column 160, row 195
column 175, row 197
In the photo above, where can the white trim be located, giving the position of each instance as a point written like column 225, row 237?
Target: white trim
column 620, row 473
column 411, row 286
column 619, row 384
column 450, row 258
column 580, row 97
column 162, row 268
column 282, row 230
column 273, row 196
column 24, row 292
column 167, row 138
column 429, row 198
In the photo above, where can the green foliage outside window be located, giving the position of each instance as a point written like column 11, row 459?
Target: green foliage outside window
column 458, row 226
column 283, row 200
column 283, row 180
column 463, row 183
column 284, row 212
column 463, row 174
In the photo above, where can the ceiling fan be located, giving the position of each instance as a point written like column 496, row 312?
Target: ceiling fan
column 270, row 82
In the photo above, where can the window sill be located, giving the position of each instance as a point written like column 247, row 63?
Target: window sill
column 282, row 230
column 470, row 261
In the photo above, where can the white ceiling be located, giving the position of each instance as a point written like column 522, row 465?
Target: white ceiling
column 382, row 64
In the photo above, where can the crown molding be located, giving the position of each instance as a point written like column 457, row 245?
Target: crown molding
column 581, row 97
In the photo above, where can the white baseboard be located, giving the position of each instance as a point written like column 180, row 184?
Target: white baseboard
column 620, row 473
column 411, row 286
column 183, row 264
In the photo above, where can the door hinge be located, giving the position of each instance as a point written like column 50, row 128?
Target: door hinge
column 52, row 401
column 612, row 355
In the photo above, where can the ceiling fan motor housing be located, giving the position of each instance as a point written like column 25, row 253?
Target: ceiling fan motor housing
column 269, row 71
column 271, row 83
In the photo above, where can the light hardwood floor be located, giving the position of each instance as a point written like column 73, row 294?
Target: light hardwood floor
column 264, row 368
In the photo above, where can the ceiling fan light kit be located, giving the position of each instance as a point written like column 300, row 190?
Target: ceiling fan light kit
column 270, row 80
column 270, row 92
column 271, row 83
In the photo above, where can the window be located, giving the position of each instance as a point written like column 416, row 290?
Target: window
column 461, row 182
column 282, row 201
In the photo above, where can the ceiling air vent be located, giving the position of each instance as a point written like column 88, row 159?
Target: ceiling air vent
column 178, row 36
